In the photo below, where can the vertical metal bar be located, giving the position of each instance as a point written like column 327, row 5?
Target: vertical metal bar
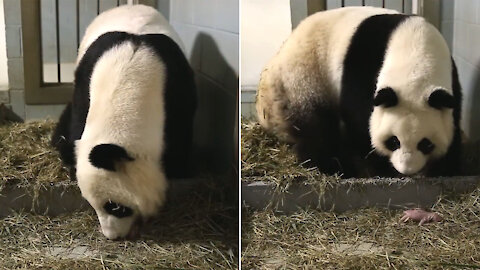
column 363, row 2
column 98, row 7
column 118, row 3
column 403, row 6
column 383, row 3
column 343, row 3
column 78, row 23
column 57, row 28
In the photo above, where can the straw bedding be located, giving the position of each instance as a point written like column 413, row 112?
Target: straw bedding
column 361, row 239
column 200, row 233
column 27, row 157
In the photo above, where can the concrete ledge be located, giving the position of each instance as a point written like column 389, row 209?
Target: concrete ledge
column 65, row 197
column 352, row 194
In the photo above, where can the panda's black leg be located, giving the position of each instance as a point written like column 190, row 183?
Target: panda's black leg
column 178, row 145
column 380, row 166
column 177, row 156
column 450, row 164
column 311, row 155
column 318, row 140
column 73, row 173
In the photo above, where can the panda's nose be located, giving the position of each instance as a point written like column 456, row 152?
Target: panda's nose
column 407, row 162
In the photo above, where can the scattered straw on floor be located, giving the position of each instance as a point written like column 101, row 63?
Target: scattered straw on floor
column 27, row 155
column 363, row 239
column 199, row 234
column 360, row 239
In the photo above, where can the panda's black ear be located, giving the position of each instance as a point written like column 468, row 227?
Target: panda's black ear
column 440, row 99
column 104, row 156
column 385, row 97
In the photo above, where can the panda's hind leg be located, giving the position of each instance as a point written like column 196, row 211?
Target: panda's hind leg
column 317, row 139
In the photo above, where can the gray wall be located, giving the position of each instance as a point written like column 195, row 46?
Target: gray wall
column 13, row 31
column 210, row 32
column 466, row 44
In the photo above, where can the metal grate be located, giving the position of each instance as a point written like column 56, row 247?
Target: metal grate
column 63, row 24
column 404, row 6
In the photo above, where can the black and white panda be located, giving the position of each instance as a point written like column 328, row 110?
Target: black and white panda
column 129, row 126
column 365, row 84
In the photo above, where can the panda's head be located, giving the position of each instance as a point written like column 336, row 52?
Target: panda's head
column 124, row 189
column 412, row 133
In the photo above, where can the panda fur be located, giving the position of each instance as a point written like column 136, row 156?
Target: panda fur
column 129, row 126
column 347, row 80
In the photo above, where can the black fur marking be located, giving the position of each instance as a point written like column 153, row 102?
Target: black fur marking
column 385, row 97
column 361, row 66
column 440, row 99
column 180, row 98
column 425, row 146
column 105, row 156
column 392, row 143
column 117, row 210
column 180, row 104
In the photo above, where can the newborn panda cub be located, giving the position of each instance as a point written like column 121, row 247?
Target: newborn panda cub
column 365, row 87
column 129, row 125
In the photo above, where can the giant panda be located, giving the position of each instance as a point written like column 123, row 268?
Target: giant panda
column 364, row 91
column 129, row 125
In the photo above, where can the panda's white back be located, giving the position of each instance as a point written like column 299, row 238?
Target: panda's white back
column 127, row 100
column 127, row 109
column 134, row 19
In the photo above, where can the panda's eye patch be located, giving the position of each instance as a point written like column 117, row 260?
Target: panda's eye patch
column 392, row 143
column 118, row 210
column 425, row 146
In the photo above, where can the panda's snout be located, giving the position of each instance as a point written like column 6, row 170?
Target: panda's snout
column 407, row 162
column 132, row 234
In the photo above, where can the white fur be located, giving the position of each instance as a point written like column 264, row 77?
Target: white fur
column 134, row 19
column 416, row 63
column 127, row 109
column 309, row 67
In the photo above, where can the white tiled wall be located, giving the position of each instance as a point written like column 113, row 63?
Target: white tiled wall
column 265, row 25
column 216, row 18
column 210, row 32
column 3, row 52
column 466, row 43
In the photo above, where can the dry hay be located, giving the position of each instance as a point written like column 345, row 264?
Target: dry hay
column 363, row 239
column 264, row 158
column 27, row 155
column 199, row 234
